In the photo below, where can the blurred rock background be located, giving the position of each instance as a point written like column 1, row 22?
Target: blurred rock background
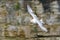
column 14, row 13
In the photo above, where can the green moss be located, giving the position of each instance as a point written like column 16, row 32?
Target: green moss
column 16, row 6
column 35, row 29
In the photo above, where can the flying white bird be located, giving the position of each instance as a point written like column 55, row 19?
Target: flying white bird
column 36, row 20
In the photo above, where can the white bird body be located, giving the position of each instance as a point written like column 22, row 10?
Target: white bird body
column 35, row 19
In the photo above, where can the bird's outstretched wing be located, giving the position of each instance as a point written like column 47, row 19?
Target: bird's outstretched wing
column 36, row 18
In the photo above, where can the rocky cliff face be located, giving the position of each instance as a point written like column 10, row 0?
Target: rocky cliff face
column 21, row 19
